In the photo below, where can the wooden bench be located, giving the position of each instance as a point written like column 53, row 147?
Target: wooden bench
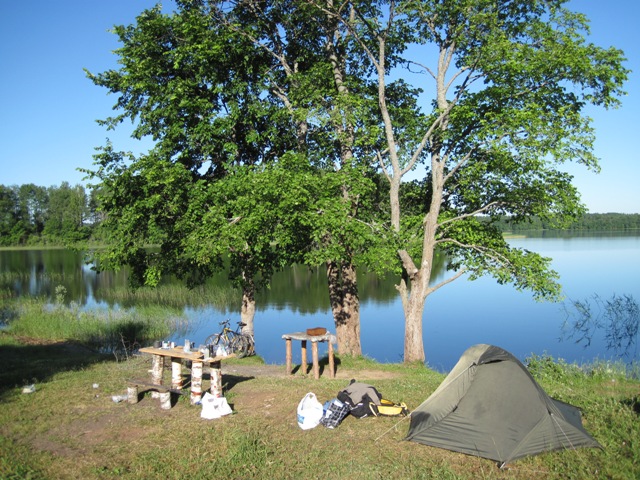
column 136, row 386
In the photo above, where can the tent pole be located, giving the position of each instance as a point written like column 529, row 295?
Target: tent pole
column 392, row 427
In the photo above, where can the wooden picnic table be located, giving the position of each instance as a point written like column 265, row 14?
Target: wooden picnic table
column 177, row 354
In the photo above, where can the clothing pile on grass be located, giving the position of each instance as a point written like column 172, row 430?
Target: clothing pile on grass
column 358, row 399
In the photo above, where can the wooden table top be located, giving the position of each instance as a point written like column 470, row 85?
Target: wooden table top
column 327, row 337
column 178, row 352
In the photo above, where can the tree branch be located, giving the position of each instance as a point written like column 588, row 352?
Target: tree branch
column 487, row 207
column 408, row 264
column 454, row 277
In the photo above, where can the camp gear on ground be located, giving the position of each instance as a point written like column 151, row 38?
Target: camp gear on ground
column 360, row 397
column 490, row 406
column 309, row 412
column 214, row 407
column 334, row 413
column 387, row 408
column 365, row 400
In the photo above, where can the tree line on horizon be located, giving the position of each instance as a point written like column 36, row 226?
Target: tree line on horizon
column 55, row 215
column 593, row 222
column 68, row 214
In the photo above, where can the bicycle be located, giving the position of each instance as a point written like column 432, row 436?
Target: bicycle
column 233, row 341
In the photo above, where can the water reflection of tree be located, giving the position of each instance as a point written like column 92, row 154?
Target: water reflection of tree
column 618, row 317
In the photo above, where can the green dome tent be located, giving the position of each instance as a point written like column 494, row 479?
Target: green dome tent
column 490, row 406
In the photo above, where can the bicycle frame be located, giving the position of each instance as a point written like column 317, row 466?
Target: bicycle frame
column 234, row 341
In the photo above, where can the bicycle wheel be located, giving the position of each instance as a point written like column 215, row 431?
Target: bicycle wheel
column 251, row 344
column 217, row 340
column 239, row 345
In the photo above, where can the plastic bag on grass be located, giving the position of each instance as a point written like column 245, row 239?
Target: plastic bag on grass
column 309, row 411
column 214, row 407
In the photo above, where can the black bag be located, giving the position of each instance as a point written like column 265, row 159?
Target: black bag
column 365, row 401
column 361, row 398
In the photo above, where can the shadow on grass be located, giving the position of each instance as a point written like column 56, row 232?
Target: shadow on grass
column 229, row 381
column 27, row 364
column 633, row 403
column 323, row 364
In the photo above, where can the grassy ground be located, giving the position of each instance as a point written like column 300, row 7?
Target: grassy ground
column 68, row 429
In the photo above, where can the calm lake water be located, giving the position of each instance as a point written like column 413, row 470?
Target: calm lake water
column 457, row 316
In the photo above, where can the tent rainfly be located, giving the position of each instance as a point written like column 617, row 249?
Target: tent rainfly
column 490, row 406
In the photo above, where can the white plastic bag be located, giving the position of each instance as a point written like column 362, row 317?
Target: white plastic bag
column 309, row 412
column 214, row 407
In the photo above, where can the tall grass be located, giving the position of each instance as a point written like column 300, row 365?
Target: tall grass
column 174, row 295
column 112, row 330
column 170, row 293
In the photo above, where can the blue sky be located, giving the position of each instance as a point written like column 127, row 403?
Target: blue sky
column 48, row 106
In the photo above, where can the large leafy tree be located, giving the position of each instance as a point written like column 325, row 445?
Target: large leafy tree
column 328, row 95
column 196, row 91
column 226, row 93
column 505, row 87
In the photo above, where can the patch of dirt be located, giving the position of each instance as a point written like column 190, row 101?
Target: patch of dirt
column 87, row 433
column 279, row 371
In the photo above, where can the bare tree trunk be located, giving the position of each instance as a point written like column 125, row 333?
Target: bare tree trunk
column 414, row 303
column 413, row 342
column 345, row 305
column 248, row 310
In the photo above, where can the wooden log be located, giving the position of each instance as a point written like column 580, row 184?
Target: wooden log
column 157, row 367
column 314, row 358
column 303, row 362
column 132, row 394
column 216, row 379
column 176, row 373
column 165, row 400
column 288, row 355
column 196, row 382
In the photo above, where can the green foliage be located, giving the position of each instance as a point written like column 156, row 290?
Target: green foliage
column 590, row 222
column 30, row 214
column 255, row 147
column 112, row 331
column 237, row 99
column 500, row 142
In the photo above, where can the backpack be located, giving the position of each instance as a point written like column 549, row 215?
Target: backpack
column 364, row 400
column 360, row 397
